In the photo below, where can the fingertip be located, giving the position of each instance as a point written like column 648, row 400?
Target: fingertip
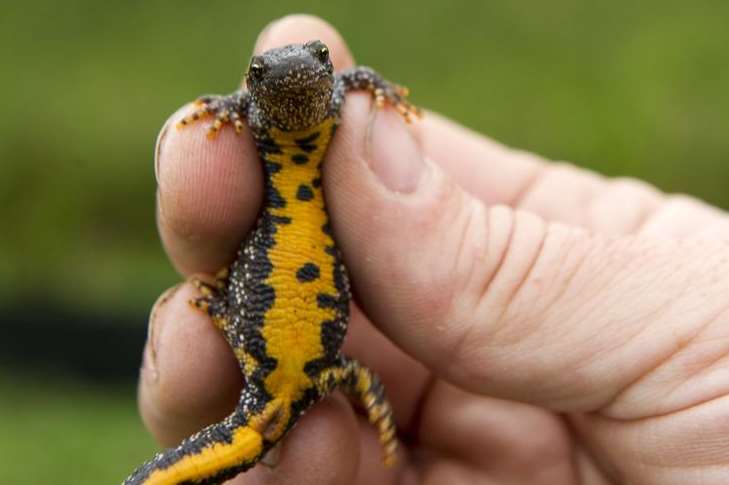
column 209, row 192
column 325, row 444
column 299, row 28
column 190, row 378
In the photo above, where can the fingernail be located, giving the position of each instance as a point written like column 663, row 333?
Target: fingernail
column 264, row 34
column 267, row 31
column 149, row 360
column 395, row 155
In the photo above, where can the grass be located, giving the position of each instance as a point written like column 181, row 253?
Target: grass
column 60, row 431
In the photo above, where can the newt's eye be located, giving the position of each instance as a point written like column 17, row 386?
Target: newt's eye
column 256, row 69
column 323, row 53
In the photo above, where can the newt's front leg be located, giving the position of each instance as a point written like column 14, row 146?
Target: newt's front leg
column 214, row 299
column 384, row 91
column 231, row 108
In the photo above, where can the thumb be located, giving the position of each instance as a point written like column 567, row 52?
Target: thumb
column 502, row 302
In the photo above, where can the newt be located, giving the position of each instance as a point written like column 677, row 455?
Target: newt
column 283, row 304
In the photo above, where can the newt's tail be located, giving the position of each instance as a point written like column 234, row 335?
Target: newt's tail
column 211, row 456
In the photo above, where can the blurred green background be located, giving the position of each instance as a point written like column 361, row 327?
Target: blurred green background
column 626, row 88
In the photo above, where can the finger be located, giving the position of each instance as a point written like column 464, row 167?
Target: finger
column 190, row 378
column 501, row 302
column 516, row 442
column 560, row 192
column 209, row 192
column 681, row 447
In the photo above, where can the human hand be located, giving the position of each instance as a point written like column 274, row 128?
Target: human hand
column 544, row 325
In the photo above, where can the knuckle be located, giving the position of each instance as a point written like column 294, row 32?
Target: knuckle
column 680, row 216
column 499, row 252
column 622, row 206
column 538, row 194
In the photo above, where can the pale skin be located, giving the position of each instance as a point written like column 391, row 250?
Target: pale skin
column 532, row 322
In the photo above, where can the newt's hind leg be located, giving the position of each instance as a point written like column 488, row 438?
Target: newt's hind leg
column 361, row 384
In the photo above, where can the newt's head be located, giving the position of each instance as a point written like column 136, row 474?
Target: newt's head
column 292, row 85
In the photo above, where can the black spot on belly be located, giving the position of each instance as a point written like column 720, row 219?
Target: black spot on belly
column 316, row 182
column 308, row 139
column 304, row 193
column 299, row 159
column 283, row 220
column 268, row 145
column 308, row 147
column 326, row 228
column 307, row 144
column 308, row 272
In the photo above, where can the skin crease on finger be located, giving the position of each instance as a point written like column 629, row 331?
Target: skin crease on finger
column 193, row 246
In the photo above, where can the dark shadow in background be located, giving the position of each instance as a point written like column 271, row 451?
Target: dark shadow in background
column 99, row 348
